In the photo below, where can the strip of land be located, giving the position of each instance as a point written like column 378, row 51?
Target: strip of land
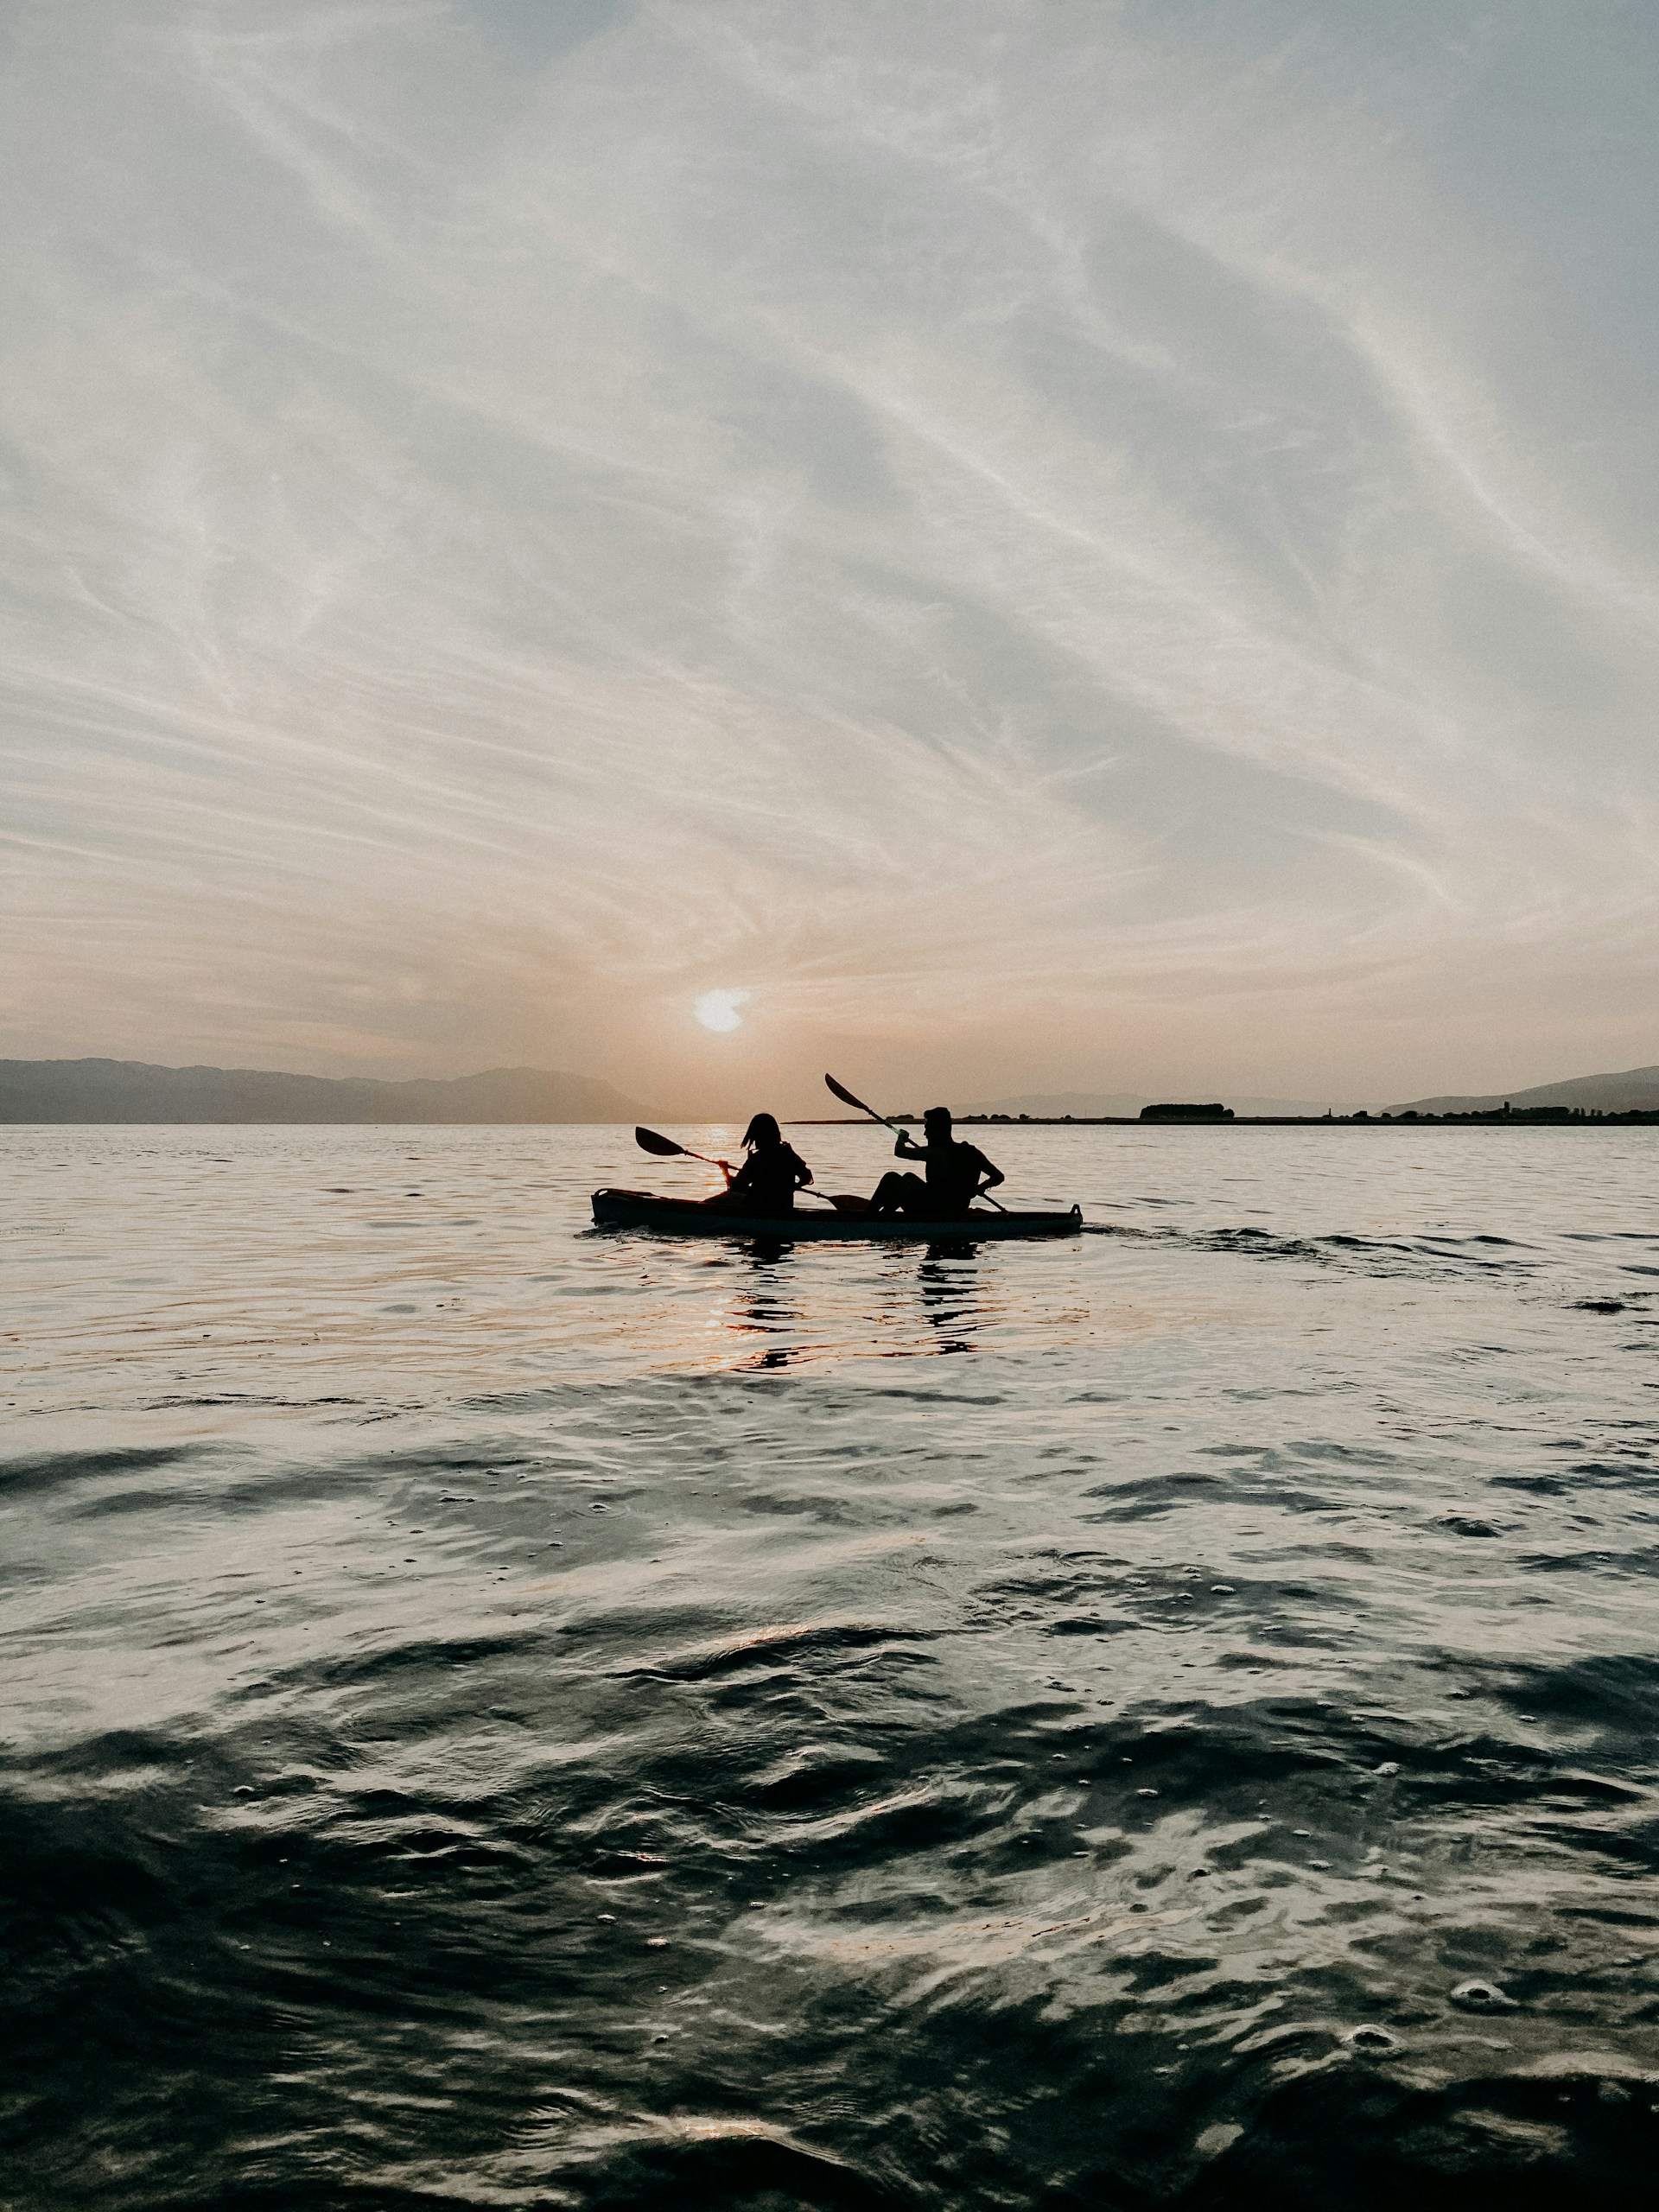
column 1518, row 1117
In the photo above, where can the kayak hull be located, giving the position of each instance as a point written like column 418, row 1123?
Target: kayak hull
column 685, row 1218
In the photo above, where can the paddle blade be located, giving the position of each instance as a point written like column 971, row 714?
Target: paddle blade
column 847, row 1099
column 665, row 1147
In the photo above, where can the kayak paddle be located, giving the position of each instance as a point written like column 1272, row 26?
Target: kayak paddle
column 847, row 1099
column 665, row 1149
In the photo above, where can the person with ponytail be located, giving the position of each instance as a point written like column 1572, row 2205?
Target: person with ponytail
column 769, row 1178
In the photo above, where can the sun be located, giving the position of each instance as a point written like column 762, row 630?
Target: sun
column 718, row 1009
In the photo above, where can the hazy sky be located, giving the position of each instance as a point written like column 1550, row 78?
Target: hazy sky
column 1051, row 543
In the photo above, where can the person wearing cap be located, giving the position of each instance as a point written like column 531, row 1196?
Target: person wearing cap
column 957, row 1173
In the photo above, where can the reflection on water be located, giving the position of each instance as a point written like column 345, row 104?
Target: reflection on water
column 948, row 1295
column 761, row 1306
column 498, row 1715
column 953, row 1299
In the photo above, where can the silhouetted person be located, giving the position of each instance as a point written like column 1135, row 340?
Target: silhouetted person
column 769, row 1178
column 957, row 1173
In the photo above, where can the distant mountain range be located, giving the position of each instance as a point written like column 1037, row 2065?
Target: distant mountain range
column 131, row 1091
column 1636, row 1090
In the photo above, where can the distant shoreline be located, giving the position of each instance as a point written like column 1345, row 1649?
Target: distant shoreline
column 1528, row 1117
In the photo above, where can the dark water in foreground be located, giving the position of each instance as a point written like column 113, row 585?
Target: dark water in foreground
column 497, row 1715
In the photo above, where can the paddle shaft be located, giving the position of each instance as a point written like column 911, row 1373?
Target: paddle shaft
column 847, row 1099
column 665, row 1149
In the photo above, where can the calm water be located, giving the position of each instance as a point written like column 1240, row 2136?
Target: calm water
column 501, row 1715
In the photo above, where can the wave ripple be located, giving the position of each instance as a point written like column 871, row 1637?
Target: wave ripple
column 499, row 1716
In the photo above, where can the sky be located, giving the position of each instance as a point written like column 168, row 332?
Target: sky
column 989, row 545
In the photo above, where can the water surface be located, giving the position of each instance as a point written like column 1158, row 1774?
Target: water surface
column 499, row 1714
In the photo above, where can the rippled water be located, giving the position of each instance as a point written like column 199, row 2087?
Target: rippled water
column 498, row 1714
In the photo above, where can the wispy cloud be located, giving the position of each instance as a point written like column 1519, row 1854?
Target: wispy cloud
column 1068, row 534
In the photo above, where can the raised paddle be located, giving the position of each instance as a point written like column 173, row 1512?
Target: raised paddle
column 847, row 1099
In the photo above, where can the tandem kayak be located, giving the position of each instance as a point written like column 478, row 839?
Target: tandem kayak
column 685, row 1218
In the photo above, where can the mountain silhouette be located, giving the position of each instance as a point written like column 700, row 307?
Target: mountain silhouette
column 132, row 1091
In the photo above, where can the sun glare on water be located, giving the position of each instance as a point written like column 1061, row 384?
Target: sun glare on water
column 719, row 1009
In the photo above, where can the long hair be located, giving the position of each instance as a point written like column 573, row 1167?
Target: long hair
column 763, row 1131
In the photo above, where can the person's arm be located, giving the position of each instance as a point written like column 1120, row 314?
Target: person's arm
column 907, row 1147
column 803, row 1174
column 991, row 1176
